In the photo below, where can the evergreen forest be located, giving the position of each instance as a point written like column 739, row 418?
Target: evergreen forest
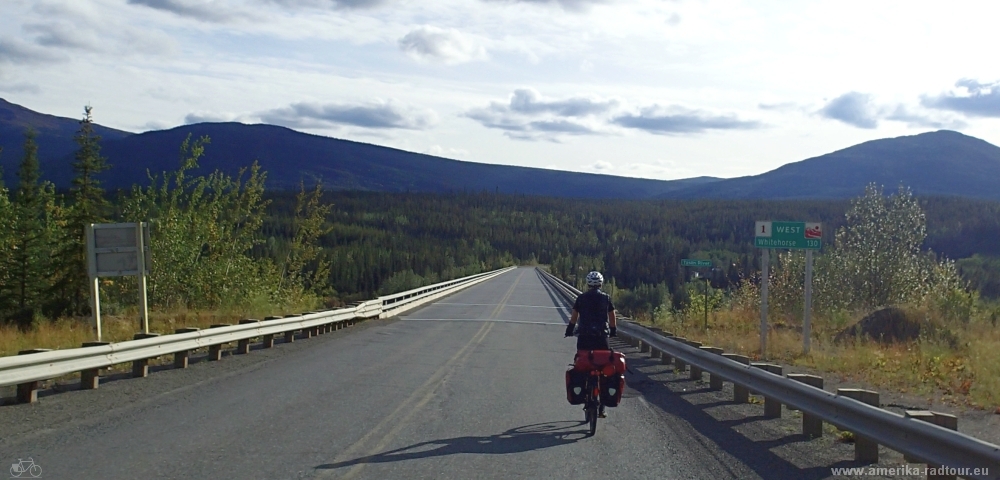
column 221, row 240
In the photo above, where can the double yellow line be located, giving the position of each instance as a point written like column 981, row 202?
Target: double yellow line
column 395, row 421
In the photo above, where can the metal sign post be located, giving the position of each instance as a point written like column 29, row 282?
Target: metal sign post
column 794, row 236
column 691, row 262
column 117, row 250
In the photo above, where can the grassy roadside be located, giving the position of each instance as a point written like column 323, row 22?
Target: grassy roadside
column 72, row 332
column 965, row 371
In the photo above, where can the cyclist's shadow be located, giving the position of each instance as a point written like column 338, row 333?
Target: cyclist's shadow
column 515, row 440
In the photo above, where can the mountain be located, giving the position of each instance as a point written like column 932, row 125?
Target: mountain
column 54, row 139
column 290, row 157
column 934, row 163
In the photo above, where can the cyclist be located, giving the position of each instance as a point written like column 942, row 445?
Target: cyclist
column 596, row 315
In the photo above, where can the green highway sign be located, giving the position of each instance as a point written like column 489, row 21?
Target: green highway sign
column 792, row 235
column 690, row 262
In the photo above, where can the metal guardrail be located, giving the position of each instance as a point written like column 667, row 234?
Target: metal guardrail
column 22, row 369
column 918, row 439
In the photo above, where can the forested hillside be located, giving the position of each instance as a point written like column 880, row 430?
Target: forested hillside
column 394, row 241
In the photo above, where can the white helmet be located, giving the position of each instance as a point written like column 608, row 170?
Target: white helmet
column 595, row 279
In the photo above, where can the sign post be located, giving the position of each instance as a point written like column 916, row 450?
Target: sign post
column 691, row 262
column 787, row 235
column 118, row 250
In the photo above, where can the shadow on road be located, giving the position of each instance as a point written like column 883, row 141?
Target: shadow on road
column 759, row 455
column 557, row 299
column 515, row 440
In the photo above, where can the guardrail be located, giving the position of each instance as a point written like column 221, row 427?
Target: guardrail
column 32, row 366
column 916, row 439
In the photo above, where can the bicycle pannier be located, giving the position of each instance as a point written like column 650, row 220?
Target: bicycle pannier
column 576, row 383
column 612, row 387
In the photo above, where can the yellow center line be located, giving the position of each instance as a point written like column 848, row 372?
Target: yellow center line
column 425, row 393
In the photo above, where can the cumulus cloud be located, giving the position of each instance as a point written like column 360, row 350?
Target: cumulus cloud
column 602, row 165
column 376, row 115
column 863, row 111
column 853, row 108
column 436, row 44
column 679, row 120
column 527, row 115
column 973, row 99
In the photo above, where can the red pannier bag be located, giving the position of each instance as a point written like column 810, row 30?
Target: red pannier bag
column 606, row 361
column 576, row 382
column 610, row 364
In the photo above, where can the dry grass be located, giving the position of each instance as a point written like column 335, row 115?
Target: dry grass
column 72, row 332
column 966, row 371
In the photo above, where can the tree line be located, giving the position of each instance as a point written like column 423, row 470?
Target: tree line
column 224, row 241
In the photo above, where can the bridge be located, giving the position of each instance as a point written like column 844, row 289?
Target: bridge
column 470, row 385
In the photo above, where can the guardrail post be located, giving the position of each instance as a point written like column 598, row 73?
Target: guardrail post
column 140, row 368
column 181, row 357
column 643, row 347
column 865, row 449
column 940, row 419
column 741, row 394
column 714, row 381
column 243, row 346
column 91, row 377
column 812, row 425
column 679, row 365
column 665, row 358
column 215, row 351
column 28, row 392
column 772, row 407
column 696, row 371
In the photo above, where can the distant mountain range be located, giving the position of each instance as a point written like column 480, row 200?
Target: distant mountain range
column 934, row 163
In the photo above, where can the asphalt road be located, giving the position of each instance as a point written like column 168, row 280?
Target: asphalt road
column 468, row 387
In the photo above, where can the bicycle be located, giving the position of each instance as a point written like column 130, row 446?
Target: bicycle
column 592, row 403
column 22, row 467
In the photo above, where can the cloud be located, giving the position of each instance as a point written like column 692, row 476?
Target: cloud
column 530, row 116
column 974, row 99
column 209, row 12
column 207, row 117
column 570, row 5
column 447, row 46
column 779, row 107
column 602, row 165
column 853, row 108
column 529, row 101
column 14, row 50
column 377, row 115
column 677, row 120
column 903, row 114
column 63, row 35
column 338, row 4
column 21, row 88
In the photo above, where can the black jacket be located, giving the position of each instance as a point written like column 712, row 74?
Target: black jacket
column 593, row 307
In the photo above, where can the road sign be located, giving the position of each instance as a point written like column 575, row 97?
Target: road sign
column 791, row 235
column 690, row 262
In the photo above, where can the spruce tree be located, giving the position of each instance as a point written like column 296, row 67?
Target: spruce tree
column 88, row 206
column 28, row 265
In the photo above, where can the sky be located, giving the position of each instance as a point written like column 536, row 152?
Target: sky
column 663, row 89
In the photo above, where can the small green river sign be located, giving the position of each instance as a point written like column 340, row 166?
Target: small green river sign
column 791, row 235
column 690, row 262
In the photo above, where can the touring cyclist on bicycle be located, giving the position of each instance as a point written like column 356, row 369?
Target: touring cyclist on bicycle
column 596, row 316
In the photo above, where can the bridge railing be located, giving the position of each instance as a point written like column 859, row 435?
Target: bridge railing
column 916, row 439
column 31, row 366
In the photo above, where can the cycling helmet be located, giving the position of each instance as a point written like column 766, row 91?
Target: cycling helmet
column 595, row 279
